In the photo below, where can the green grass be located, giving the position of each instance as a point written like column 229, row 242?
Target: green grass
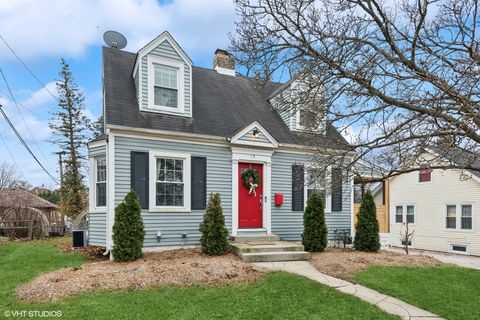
column 275, row 296
column 451, row 292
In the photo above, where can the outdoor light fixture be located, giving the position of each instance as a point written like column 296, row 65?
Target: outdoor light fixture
column 159, row 235
column 256, row 133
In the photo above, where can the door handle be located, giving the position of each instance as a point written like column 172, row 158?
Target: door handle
column 261, row 202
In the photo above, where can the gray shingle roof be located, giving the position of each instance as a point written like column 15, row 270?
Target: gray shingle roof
column 459, row 157
column 221, row 104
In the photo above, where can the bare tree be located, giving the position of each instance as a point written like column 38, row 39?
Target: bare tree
column 406, row 236
column 395, row 77
column 9, row 177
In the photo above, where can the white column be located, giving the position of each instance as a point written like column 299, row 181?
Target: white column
column 268, row 197
column 234, row 197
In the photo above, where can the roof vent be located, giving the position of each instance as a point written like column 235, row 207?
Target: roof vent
column 224, row 62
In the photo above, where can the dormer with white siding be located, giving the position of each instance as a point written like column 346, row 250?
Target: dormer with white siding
column 163, row 77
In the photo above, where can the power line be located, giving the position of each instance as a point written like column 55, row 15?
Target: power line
column 24, row 144
column 13, row 159
column 21, row 115
column 27, row 68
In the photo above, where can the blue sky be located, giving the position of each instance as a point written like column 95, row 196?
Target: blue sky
column 42, row 32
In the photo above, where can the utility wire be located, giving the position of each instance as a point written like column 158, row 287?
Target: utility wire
column 13, row 159
column 21, row 115
column 24, row 144
column 27, row 68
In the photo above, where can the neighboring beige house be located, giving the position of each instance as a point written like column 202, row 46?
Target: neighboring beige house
column 442, row 206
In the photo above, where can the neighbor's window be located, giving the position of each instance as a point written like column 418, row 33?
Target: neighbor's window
column 398, row 214
column 170, row 182
column 466, row 222
column 410, row 214
column 451, row 217
column 425, row 173
column 101, row 182
column 166, row 86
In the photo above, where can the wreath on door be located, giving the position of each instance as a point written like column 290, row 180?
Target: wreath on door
column 251, row 180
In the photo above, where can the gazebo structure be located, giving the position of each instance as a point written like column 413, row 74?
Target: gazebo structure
column 25, row 215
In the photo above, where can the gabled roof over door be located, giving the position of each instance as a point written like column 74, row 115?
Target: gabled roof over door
column 254, row 135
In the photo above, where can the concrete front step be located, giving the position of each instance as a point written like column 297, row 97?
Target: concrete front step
column 266, row 246
column 253, row 237
column 275, row 256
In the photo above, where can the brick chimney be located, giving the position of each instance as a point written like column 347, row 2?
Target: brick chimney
column 224, row 62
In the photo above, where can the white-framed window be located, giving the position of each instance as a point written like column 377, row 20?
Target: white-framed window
column 462, row 248
column 165, row 85
column 459, row 217
column 405, row 213
column 316, row 182
column 169, row 182
column 100, row 182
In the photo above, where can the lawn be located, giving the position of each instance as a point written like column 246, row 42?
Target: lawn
column 275, row 296
column 451, row 292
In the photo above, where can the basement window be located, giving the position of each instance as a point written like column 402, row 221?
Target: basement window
column 459, row 248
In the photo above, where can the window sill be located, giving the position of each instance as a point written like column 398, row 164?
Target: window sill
column 169, row 209
column 460, row 230
column 98, row 210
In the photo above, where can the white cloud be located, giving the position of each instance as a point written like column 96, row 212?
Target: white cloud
column 32, row 129
column 41, row 96
column 37, row 29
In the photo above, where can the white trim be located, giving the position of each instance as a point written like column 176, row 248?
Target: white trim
column 254, row 125
column 211, row 140
column 352, row 206
column 253, row 156
column 458, row 216
column 97, row 143
column 404, row 214
column 151, row 106
column 153, row 154
column 328, row 195
column 110, row 219
column 459, row 244
column 92, row 177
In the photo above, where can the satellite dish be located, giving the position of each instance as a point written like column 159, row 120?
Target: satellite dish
column 115, row 39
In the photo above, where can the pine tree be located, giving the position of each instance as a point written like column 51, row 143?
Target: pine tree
column 128, row 229
column 70, row 128
column 98, row 127
column 366, row 229
column 214, row 234
column 314, row 237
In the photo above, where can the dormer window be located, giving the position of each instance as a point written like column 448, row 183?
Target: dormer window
column 425, row 173
column 165, row 84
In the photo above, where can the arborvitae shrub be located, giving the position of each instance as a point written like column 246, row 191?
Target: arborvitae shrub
column 128, row 229
column 366, row 229
column 314, row 237
column 214, row 234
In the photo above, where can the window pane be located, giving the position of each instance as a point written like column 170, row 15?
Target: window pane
column 399, row 214
column 170, row 188
column 451, row 211
column 410, row 214
column 466, row 210
column 467, row 223
column 101, row 170
column 165, row 97
column 101, row 194
column 466, row 220
column 166, row 76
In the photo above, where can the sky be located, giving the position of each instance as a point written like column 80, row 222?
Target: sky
column 43, row 32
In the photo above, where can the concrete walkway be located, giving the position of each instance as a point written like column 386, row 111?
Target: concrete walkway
column 384, row 302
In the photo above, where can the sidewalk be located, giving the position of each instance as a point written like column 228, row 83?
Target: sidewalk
column 386, row 303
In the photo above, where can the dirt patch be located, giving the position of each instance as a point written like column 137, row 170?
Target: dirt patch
column 92, row 253
column 178, row 267
column 345, row 263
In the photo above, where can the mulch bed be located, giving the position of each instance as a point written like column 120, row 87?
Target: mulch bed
column 92, row 253
column 177, row 267
column 345, row 263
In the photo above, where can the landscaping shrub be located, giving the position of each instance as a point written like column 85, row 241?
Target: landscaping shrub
column 366, row 229
column 314, row 237
column 128, row 230
column 214, row 234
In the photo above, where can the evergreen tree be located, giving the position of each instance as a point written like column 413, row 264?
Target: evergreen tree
column 314, row 237
column 51, row 196
column 128, row 229
column 98, row 127
column 366, row 229
column 214, row 234
column 70, row 128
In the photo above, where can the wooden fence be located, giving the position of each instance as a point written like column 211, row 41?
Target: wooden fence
column 382, row 216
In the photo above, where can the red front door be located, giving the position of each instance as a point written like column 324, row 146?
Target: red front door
column 250, row 202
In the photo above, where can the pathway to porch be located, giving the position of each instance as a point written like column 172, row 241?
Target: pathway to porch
column 386, row 303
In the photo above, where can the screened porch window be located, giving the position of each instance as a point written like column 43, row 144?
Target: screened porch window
column 166, row 86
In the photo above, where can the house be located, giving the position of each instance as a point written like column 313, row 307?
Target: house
column 441, row 206
column 176, row 133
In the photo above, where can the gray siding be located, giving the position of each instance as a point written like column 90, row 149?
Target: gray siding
column 97, row 227
column 97, row 151
column 172, row 225
column 248, row 137
column 288, row 224
column 165, row 50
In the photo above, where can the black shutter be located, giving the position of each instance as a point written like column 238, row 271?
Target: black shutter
column 298, row 177
column 337, row 189
column 199, row 183
column 139, row 176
